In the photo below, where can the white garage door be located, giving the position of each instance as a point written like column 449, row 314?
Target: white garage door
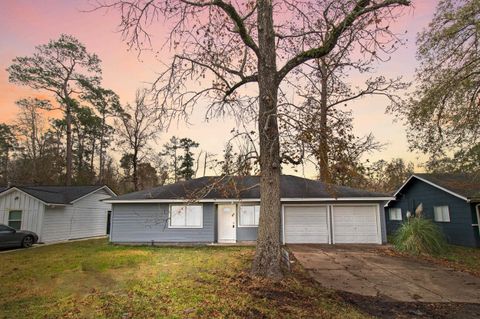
column 306, row 224
column 355, row 224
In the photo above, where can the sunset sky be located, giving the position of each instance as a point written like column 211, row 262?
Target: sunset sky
column 27, row 23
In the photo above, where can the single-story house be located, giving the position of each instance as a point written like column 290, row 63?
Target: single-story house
column 226, row 210
column 56, row 213
column 452, row 201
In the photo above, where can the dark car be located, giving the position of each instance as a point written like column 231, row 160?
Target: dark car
column 10, row 237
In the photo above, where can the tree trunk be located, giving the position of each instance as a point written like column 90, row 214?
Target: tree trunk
column 134, row 164
column 33, row 137
column 268, row 252
column 102, row 146
column 92, row 159
column 68, row 177
column 324, row 150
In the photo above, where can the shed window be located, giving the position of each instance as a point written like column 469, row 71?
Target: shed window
column 249, row 216
column 441, row 214
column 186, row 216
column 15, row 219
column 395, row 213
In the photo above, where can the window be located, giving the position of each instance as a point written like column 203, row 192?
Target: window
column 441, row 214
column 249, row 216
column 186, row 216
column 15, row 219
column 395, row 213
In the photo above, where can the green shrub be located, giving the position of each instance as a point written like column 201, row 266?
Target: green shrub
column 420, row 236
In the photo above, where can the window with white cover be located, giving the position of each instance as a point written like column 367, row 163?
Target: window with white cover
column 395, row 213
column 186, row 216
column 441, row 213
column 15, row 219
column 249, row 216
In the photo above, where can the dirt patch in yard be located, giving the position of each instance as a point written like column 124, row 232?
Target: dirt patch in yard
column 383, row 308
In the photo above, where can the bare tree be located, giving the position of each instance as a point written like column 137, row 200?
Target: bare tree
column 31, row 125
column 232, row 44
column 137, row 126
column 321, row 126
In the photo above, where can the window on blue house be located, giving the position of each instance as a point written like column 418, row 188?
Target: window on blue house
column 186, row 216
column 395, row 213
column 249, row 216
column 441, row 214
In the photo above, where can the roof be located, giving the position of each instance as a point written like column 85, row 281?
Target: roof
column 246, row 187
column 462, row 185
column 58, row 195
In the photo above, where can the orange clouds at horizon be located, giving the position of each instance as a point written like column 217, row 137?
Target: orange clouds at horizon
column 27, row 23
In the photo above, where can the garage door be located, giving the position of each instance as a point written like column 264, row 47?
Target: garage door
column 355, row 224
column 306, row 224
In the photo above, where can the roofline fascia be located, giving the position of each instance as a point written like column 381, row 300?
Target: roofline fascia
column 159, row 201
column 13, row 188
column 92, row 192
column 432, row 184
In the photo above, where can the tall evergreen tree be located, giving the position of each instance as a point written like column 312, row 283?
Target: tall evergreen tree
column 185, row 170
column 56, row 68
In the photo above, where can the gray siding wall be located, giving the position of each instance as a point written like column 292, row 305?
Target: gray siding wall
column 459, row 231
column 247, row 233
column 144, row 223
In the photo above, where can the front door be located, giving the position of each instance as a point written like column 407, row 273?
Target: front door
column 227, row 232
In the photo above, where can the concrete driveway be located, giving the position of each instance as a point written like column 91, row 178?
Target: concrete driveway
column 362, row 270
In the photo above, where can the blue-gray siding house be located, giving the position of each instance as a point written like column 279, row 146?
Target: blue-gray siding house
column 226, row 210
column 452, row 201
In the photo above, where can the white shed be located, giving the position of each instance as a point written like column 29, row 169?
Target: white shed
column 57, row 213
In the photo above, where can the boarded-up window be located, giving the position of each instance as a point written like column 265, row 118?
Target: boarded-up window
column 15, row 219
column 249, row 215
column 441, row 213
column 186, row 216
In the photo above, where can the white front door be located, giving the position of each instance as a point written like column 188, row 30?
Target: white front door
column 227, row 232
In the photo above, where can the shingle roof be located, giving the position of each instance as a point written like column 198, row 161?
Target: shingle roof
column 235, row 187
column 62, row 195
column 463, row 184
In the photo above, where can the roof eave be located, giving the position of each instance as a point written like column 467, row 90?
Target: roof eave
column 228, row 200
column 432, row 184
column 112, row 193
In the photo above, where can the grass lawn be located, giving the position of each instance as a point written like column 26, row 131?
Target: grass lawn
column 93, row 279
column 461, row 258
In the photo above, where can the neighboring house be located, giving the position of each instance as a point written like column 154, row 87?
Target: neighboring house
column 452, row 201
column 56, row 213
column 226, row 210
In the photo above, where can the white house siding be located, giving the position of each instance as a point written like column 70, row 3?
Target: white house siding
column 85, row 218
column 32, row 210
column 90, row 216
column 56, row 224
column 144, row 223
